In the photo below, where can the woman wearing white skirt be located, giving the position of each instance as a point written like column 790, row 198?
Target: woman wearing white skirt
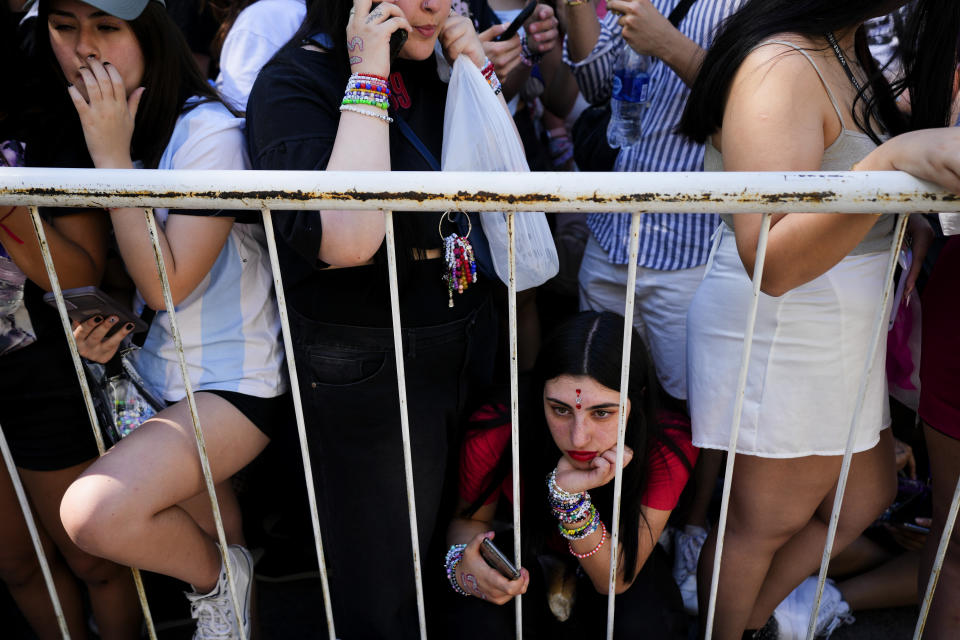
column 781, row 91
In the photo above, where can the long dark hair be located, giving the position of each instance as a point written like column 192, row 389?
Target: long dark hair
column 170, row 77
column 928, row 52
column 589, row 344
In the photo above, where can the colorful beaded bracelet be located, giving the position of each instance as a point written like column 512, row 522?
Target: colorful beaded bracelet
column 582, row 531
column 364, row 112
column 559, row 494
column 581, row 556
column 454, row 556
column 373, row 103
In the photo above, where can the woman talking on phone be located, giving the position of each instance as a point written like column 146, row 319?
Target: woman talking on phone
column 348, row 93
column 139, row 96
column 568, row 445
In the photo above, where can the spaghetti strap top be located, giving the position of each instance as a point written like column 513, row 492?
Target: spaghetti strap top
column 849, row 148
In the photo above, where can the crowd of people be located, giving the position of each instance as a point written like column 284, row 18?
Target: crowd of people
column 734, row 85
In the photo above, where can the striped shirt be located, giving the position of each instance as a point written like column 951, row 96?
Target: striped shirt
column 229, row 323
column 667, row 241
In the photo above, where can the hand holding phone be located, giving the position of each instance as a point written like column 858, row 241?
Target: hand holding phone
column 497, row 560
column 517, row 22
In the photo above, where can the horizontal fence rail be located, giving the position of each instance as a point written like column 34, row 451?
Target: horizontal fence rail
column 636, row 193
column 747, row 192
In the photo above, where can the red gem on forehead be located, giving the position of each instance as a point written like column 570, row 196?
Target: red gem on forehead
column 578, row 399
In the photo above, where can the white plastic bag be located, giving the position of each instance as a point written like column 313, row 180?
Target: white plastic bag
column 478, row 135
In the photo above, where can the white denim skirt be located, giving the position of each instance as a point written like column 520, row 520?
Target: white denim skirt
column 806, row 363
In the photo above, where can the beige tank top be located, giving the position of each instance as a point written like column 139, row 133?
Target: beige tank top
column 849, row 148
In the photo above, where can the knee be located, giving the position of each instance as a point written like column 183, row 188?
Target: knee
column 92, row 516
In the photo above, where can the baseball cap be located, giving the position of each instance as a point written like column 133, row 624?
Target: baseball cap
column 123, row 9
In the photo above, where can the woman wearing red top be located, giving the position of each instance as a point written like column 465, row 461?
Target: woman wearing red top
column 568, row 449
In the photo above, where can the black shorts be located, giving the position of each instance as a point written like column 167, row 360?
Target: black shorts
column 42, row 412
column 270, row 415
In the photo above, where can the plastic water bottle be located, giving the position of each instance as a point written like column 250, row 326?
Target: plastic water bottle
column 630, row 97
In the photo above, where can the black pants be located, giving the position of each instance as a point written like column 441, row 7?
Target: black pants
column 651, row 609
column 348, row 384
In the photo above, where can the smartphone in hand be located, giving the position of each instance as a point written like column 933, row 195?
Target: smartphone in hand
column 517, row 22
column 497, row 560
column 397, row 39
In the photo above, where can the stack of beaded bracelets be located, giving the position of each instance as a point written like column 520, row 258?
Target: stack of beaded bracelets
column 370, row 90
column 454, row 556
column 491, row 77
column 574, row 507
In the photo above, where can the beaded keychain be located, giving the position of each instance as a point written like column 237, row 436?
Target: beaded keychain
column 458, row 253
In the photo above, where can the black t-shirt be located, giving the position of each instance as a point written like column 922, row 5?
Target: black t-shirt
column 292, row 119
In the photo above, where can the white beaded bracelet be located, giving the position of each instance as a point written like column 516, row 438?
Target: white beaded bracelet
column 364, row 112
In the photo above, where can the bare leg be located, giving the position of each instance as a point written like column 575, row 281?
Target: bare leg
column 20, row 571
column 127, row 505
column 892, row 584
column 777, row 514
column 112, row 594
column 861, row 556
column 944, row 620
column 871, row 488
column 705, row 481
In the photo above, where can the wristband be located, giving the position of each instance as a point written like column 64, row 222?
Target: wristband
column 454, row 556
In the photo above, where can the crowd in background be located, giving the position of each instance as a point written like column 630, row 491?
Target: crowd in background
column 734, row 85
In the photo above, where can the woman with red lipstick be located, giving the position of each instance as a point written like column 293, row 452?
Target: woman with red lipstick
column 568, row 455
column 307, row 112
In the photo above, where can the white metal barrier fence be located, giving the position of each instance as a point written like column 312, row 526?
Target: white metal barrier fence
column 768, row 193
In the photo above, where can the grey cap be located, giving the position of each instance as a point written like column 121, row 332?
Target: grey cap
column 123, row 9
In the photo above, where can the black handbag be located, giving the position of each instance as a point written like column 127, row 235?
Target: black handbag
column 591, row 151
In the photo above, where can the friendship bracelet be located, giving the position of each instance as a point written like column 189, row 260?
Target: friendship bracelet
column 370, row 76
column 581, row 556
column 364, row 112
column 559, row 494
column 454, row 556
column 583, row 531
column 366, row 101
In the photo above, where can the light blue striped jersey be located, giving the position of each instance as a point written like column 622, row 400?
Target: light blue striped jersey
column 667, row 241
column 230, row 325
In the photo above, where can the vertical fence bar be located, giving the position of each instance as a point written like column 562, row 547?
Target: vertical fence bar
column 514, row 406
column 878, row 325
column 84, row 387
column 404, row 416
column 298, row 411
column 192, row 404
column 34, row 535
column 622, row 416
column 938, row 563
column 737, row 412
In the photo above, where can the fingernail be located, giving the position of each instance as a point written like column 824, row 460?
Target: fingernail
column 128, row 326
column 112, row 320
column 91, row 56
column 98, row 319
column 106, row 64
column 69, row 84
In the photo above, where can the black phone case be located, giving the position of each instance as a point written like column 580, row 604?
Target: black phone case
column 517, row 22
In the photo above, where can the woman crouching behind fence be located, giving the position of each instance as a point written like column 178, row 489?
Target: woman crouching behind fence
column 140, row 97
column 303, row 114
column 568, row 450
column 781, row 91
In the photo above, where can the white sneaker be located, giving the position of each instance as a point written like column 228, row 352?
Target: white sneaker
column 686, row 552
column 793, row 614
column 214, row 611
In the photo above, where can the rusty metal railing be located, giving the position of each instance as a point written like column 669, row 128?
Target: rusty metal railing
column 860, row 192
